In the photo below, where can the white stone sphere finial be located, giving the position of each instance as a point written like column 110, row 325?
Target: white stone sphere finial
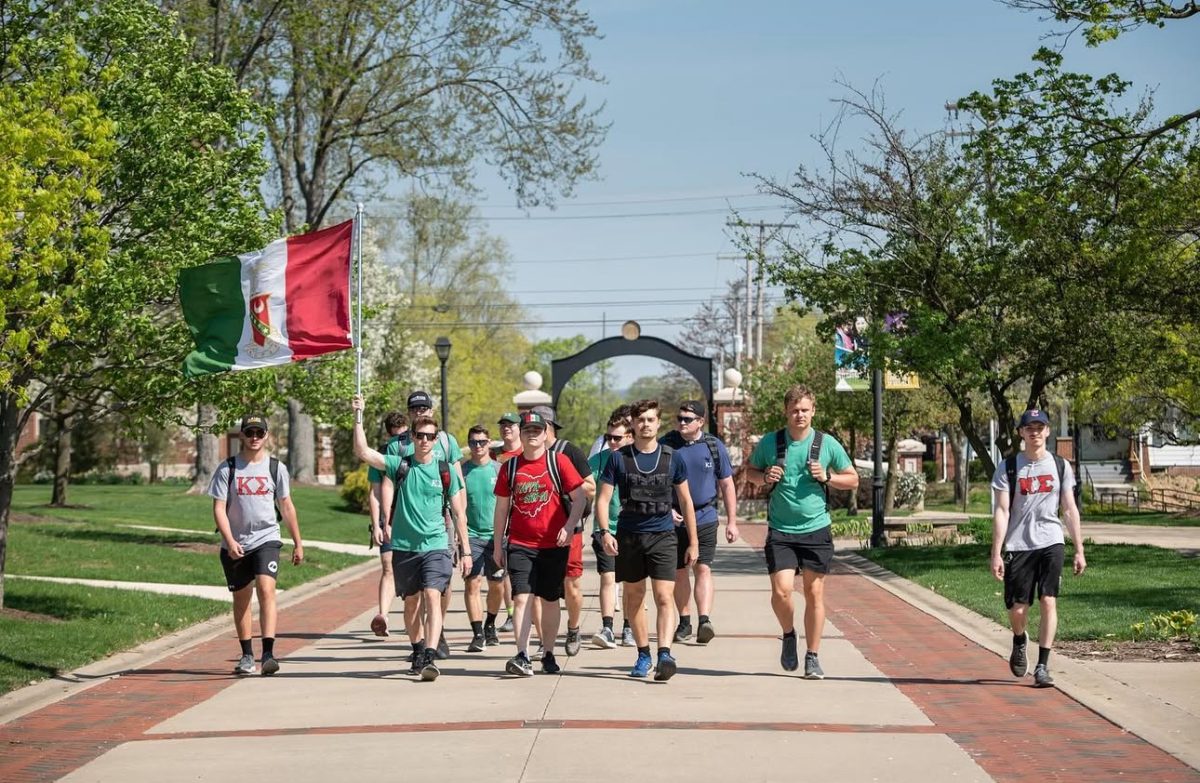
column 733, row 378
column 533, row 380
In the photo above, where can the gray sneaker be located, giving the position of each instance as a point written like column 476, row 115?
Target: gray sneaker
column 627, row 638
column 705, row 632
column 245, row 665
column 572, row 643
column 812, row 667
column 1041, row 677
column 507, row 626
column 604, row 640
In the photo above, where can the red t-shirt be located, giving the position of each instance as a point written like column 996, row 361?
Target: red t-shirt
column 537, row 511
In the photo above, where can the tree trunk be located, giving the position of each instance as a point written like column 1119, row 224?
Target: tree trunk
column 62, row 453
column 208, row 448
column 9, row 432
column 153, row 472
column 889, row 492
column 852, row 503
column 954, row 443
column 302, row 460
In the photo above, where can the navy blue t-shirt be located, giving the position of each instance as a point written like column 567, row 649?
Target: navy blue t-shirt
column 702, row 483
column 614, row 474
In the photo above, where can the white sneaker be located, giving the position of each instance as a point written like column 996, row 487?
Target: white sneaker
column 604, row 639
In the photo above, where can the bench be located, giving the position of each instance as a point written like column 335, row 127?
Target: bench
column 926, row 528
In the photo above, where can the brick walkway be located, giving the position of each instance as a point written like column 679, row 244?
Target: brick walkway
column 1012, row 731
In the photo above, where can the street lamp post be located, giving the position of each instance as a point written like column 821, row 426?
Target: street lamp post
column 442, row 346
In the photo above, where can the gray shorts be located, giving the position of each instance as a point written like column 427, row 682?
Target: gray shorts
column 483, row 563
column 413, row 572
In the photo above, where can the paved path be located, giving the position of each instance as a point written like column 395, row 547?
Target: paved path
column 329, row 546
column 908, row 698
column 1183, row 539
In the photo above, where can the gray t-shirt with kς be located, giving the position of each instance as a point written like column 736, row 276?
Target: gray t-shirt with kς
column 1034, row 521
column 252, row 510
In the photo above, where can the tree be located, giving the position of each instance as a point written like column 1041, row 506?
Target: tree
column 1036, row 256
column 115, row 181
column 365, row 92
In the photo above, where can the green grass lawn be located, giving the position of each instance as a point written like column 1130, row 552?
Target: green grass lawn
column 1151, row 518
column 940, row 497
column 90, row 541
column 1123, row 584
column 91, row 624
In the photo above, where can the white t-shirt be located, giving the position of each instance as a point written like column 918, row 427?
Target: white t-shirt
column 1034, row 521
column 252, row 510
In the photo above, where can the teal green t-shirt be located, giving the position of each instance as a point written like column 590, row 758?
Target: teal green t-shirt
column 439, row 450
column 418, row 525
column 597, row 462
column 481, row 497
column 392, row 448
column 798, row 501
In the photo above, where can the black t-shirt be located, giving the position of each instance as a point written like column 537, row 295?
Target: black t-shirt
column 580, row 463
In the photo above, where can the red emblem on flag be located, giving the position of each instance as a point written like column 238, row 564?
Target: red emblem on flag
column 260, row 318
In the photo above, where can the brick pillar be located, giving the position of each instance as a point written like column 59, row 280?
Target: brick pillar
column 326, row 472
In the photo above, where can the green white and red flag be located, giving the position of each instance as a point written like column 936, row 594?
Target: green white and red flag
column 287, row 302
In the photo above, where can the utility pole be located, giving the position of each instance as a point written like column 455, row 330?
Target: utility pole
column 754, row 336
column 759, row 331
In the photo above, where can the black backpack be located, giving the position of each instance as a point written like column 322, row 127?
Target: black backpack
column 1010, row 470
column 555, row 479
column 814, row 453
column 272, row 468
column 675, row 441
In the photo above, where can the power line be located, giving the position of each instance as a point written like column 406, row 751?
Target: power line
column 611, row 216
column 587, row 303
column 652, row 200
column 656, row 257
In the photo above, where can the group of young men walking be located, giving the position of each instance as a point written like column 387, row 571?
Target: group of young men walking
column 514, row 517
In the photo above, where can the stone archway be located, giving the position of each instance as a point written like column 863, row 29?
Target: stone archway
column 699, row 367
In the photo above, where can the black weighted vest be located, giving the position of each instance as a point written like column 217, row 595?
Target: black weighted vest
column 647, row 494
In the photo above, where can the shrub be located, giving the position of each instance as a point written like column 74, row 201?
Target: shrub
column 979, row 528
column 355, row 489
column 910, row 490
column 930, row 470
column 1180, row 624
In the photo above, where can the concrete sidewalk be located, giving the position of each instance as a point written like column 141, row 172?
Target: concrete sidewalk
column 907, row 698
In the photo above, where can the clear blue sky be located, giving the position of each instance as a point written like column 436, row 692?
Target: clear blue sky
column 701, row 92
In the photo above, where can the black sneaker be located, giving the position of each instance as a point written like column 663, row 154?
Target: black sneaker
column 812, row 667
column 443, row 649
column 683, row 633
column 269, row 666
column 477, row 643
column 416, row 660
column 549, row 665
column 1018, row 664
column 705, row 632
column 489, row 636
column 519, row 665
column 789, row 659
column 429, row 669
column 1041, row 677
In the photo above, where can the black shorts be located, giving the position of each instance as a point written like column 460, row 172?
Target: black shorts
column 538, row 571
column 1034, row 571
column 483, row 561
column 261, row 561
column 605, row 563
column 795, row 551
column 641, row 555
column 706, row 537
column 413, row 572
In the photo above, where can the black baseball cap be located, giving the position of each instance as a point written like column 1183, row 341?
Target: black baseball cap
column 420, row 399
column 547, row 413
column 693, row 406
column 1034, row 415
column 533, row 419
column 253, row 421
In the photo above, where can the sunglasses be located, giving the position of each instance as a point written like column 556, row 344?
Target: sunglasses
column 428, row 437
column 687, row 419
column 614, row 438
column 255, row 433
column 475, row 444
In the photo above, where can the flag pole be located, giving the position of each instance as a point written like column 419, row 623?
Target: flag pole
column 358, row 322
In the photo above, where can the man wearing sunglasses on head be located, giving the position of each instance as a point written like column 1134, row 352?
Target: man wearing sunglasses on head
column 480, row 472
column 250, row 493
column 710, row 477
column 421, row 559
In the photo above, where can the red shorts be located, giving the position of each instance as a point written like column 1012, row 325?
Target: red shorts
column 575, row 559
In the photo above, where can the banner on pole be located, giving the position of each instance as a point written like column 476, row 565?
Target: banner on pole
column 849, row 359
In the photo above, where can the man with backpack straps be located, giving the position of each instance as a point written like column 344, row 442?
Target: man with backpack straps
column 396, row 425
column 1034, row 496
column 534, row 531
column 799, row 539
column 572, row 585
column 710, row 478
column 421, row 557
column 446, row 448
column 250, row 493
column 649, row 476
